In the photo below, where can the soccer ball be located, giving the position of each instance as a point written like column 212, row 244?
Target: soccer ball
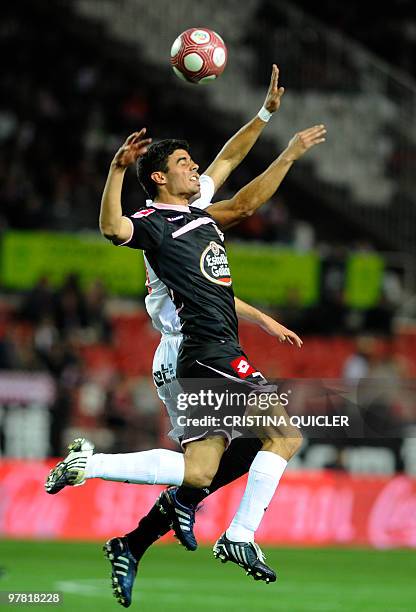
column 198, row 55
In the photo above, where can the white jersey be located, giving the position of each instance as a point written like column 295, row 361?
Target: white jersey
column 159, row 305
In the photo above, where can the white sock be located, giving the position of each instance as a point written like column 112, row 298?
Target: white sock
column 157, row 466
column 263, row 478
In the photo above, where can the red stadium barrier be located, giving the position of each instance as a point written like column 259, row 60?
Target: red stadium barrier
column 310, row 508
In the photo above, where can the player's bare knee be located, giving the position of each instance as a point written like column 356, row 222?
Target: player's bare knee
column 198, row 477
column 286, row 446
column 293, row 444
column 202, row 459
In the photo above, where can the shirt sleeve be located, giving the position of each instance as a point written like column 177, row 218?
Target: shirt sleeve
column 147, row 230
column 207, row 188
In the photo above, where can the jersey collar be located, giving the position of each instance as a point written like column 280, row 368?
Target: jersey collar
column 178, row 207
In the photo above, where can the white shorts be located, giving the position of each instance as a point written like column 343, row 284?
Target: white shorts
column 164, row 377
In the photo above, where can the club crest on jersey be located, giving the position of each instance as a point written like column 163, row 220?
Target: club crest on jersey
column 214, row 264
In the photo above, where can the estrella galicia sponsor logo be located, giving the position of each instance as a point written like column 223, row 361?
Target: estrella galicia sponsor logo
column 214, row 264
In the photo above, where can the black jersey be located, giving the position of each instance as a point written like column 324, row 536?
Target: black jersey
column 185, row 248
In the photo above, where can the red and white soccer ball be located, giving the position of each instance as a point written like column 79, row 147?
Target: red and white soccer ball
column 198, row 55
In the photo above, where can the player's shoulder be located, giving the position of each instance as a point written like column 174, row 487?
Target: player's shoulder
column 198, row 212
column 143, row 212
column 149, row 215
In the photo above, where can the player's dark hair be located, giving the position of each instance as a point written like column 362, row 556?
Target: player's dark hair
column 156, row 159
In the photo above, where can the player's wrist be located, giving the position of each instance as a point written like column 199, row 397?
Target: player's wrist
column 115, row 166
column 264, row 114
column 287, row 157
column 266, row 322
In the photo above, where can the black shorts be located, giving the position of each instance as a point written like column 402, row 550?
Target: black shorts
column 210, row 371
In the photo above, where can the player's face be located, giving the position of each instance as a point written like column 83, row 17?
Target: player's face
column 182, row 178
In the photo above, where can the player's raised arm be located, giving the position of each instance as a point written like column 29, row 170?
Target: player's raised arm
column 112, row 223
column 272, row 327
column 235, row 150
column 260, row 190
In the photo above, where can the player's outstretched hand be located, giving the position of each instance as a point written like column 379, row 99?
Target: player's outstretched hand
column 282, row 333
column 135, row 146
column 305, row 140
column 274, row 93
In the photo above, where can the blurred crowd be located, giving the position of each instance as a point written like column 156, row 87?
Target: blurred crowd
column 60, row 120
column 390, row 31
column 58, row 319
column 61, row 123
column 49, row 330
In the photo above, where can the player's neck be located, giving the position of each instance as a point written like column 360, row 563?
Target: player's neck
column 173, row 200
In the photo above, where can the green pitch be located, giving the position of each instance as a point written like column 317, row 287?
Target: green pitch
column 173, row 580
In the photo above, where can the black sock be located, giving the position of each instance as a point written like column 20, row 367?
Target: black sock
column 191, row 497
column 150, row 528
column 235, row 461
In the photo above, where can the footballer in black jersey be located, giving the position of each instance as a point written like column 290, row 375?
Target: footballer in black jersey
column 185, row 248
column 169, row 176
